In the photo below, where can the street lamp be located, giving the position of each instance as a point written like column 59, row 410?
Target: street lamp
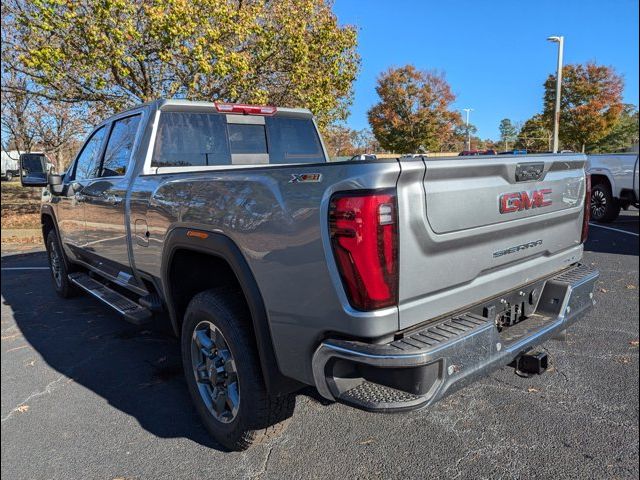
column 556, row 117
column 468, row 110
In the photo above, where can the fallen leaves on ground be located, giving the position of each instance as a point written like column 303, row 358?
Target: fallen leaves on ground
column 631, row 287
column 28, row 241
column 634, row 343
column 532, row 390
column 22, row 408
column 20, row 221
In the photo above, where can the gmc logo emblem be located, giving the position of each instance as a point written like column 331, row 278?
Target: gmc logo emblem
column 518, row 201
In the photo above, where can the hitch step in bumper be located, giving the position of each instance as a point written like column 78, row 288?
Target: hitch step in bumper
column 425, row 365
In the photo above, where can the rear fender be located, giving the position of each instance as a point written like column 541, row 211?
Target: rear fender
column 221, row 246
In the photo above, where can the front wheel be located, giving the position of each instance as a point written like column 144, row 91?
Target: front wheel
column 58, row 267
column 8, row 176
column 604, row 208
column 223, row 373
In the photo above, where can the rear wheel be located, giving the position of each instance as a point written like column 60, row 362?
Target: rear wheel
column 58, row 267
column 604, row 208
column 223, row 372
column 8, row 176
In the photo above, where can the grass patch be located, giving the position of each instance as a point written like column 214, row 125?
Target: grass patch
column 26, row 220
column 20, row 211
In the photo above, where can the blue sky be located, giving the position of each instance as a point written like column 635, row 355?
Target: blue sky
column 494, row 53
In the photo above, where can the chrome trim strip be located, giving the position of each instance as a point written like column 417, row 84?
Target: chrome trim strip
column 147, row 169
column 100, row 297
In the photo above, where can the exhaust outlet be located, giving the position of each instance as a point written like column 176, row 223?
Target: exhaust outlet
column 532, row 363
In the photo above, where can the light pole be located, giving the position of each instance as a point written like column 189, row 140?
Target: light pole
column 556, row 116
column 468, row 110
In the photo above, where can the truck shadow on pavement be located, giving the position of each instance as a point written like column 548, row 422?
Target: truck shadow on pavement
column 135, row 369
column 603, row 240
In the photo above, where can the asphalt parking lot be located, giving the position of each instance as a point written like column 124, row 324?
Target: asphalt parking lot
column 86, row 395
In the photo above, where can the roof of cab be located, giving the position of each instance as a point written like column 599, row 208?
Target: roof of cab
column 186, row 105
column 199, row 105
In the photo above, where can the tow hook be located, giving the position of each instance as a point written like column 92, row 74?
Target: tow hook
column 531, row 363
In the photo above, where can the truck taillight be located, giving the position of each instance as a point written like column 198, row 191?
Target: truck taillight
column 587, row 209
column 246, row 109
column 364, row 238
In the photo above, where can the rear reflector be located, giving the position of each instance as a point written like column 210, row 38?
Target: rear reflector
column 587, row 208
column 364, row 238
column 246, row 109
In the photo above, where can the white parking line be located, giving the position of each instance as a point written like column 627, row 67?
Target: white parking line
column 24, row 268
column 614, row 229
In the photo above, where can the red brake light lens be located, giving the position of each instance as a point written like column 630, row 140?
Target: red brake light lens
column 587, row 209
column 246, row 109
column 364, row 237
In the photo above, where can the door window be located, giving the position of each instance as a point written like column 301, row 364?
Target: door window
column 88, row 161
column 119, row 146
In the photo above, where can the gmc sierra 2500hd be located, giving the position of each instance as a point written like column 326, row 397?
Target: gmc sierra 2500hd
column 386, row 284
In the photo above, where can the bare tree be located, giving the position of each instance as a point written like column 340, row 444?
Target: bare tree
column 30, row 122
column 17, row 107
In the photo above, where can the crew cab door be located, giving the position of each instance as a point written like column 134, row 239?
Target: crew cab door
column 70, row 211
column 106, row 243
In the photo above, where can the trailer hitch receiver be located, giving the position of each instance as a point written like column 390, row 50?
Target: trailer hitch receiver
column 532, row 363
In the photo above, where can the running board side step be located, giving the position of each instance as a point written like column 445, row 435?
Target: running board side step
column 131, row 311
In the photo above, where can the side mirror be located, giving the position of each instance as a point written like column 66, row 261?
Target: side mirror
column 54, row 179
column 55, row 183
column 33, row 170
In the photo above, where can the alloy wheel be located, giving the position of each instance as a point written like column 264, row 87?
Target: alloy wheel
column 56, row 265
column 215, row 372
column 598, row 204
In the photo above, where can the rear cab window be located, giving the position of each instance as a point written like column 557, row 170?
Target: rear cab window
column 209, row 139
column 191, row 139
column 294, row 140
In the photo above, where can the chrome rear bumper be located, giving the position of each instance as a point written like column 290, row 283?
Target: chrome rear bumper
column 425, row 365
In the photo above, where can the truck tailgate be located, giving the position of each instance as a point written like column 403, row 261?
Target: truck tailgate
column 471, row 228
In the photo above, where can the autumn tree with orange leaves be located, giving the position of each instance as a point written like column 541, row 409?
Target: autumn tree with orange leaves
column 591, row 104
column 413, row 114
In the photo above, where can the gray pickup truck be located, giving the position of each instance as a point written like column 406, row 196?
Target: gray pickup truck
column 385, row 284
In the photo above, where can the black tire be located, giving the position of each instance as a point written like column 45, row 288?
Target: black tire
column 604, row 208
column 8, row 176
column 58, row 268
column 259, row 416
